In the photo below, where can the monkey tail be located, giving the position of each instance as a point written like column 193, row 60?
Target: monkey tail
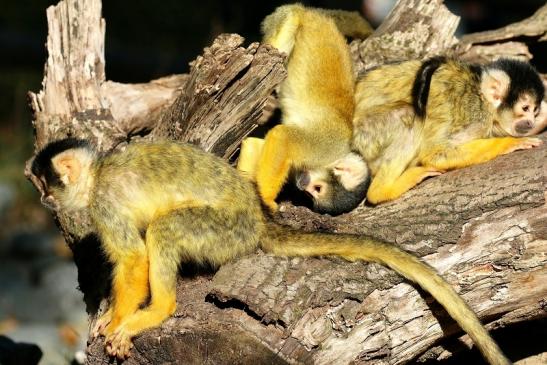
column 283, row 241
column 422, row 83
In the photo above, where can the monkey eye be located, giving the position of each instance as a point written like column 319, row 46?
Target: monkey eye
column 317, row 188
column 525, row 108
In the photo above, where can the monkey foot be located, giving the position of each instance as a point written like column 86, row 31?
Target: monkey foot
column 524, row 144
column 428, row 172
column 271, row 204
column 100, row 326
column 119, row 343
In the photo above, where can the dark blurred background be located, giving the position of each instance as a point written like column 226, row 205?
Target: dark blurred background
column 39, row 302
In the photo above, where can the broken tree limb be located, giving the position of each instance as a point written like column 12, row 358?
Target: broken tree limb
column 222, row 103
column 532, row 27
column 137, row 108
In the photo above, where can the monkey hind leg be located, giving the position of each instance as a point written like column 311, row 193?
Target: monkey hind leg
column 162, row 275
column 197, row 234
column 249, row 155
column 274, row 165
column 129, row 290
column 475, row 152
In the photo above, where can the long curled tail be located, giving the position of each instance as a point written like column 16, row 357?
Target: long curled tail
column 282, row 241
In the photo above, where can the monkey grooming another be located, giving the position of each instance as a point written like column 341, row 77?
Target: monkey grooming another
column 316, row 101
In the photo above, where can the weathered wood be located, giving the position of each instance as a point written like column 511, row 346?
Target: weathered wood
column 482, row 227
column 70, row 101
column 222, row 101
column 487, row 53
column 137, row 108
column 489, row 45
column 534, row 26
column 413, row 29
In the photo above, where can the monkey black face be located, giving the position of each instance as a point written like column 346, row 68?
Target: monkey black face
column 337, row 189
column 56, row 168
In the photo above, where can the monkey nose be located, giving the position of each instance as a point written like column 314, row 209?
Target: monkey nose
column 303, row 180
column 523, row 126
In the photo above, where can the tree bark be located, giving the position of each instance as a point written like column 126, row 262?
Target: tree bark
column 483, row 228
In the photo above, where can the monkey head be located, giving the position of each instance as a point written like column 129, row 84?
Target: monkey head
column 515, row 90
column 63, row 168
column 338, row 188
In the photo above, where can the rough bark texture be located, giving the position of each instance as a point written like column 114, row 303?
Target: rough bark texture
column 482, row 227
column 222, row 101
column 413, row 29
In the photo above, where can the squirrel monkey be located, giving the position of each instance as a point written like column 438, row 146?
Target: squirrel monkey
column 418, row 119
column 159, row 204
column 316, row 101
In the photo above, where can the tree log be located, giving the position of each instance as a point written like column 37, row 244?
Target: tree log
column 483, row 228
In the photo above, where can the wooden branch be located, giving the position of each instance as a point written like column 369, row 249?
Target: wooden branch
column 487, row 53
column 137, row 108
column 490, row 45
column 222, row 103
column 534, row 26
column 413, row 29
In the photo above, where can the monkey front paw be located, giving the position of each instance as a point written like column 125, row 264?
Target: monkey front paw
column 100, row 326
column 119, row 343
column 524, row 144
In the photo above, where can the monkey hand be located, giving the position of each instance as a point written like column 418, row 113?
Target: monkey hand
column 101, row 324
column 119, row 343
column 523, row 144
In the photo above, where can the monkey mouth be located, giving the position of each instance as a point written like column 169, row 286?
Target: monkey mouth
column 523, row 126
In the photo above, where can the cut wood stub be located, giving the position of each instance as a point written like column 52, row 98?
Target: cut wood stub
column 73, row 73
column 225, row 95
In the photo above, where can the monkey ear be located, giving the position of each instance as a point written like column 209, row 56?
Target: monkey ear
column 494, row 86
column 351, row 170
column 68, row 166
